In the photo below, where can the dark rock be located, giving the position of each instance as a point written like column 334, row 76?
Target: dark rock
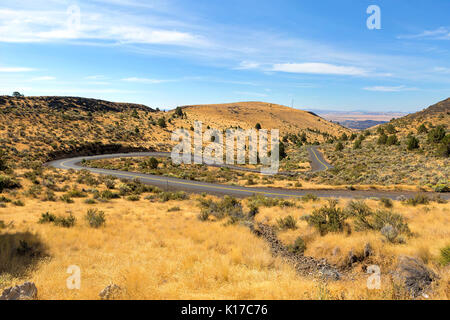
column 352, row 258
column 368, row 250
column 26, row 291
column 111, row 291
column 414, row 275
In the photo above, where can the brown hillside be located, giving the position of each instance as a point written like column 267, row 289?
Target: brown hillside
column 437, row 114
column 270, row 116
column 40, row 128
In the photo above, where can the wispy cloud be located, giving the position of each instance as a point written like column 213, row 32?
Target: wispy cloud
column 58, row 25
column 15, row 69
column 319, row 68
column 441, row 70
column 248, row 65
column 96, row 77
column 145, row 80
column 390, row 89
column 43, row 78
column 252, row 94
column 441, row 33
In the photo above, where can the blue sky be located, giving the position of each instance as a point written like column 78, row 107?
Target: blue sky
column 163, row 53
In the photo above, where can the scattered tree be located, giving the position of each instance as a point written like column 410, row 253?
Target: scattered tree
column 412, row 143
column 422, row 129
column 392, row 140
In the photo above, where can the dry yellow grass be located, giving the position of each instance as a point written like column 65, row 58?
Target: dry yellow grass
column 155, row 254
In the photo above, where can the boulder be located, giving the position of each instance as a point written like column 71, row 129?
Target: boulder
column 26, row 291
column 415, row 276
column 111, row 291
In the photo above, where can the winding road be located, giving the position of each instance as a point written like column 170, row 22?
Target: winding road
column 318, row 163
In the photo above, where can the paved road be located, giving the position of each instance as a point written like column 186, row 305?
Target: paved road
column 318, row 163
column 167, row 183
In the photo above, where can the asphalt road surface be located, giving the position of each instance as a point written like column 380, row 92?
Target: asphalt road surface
column 318, row 163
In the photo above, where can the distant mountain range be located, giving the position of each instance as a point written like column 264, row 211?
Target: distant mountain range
column 357, row 119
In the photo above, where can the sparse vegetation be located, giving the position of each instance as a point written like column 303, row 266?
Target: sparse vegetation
column 95, row 218
column 287, row 223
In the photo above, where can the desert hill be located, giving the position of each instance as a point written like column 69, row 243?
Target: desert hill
column 434, row 115
column 69, row 103
column 268, row 115
column 41, row 128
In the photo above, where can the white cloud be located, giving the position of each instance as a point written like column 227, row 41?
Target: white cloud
column 15, row 69
column 44, row 78
column 145, row 80
column 319, row 68
column 247, row 65
column 389, row 89
column 56, row 25
column 441, row 33
column 252, row 94
column 442, row 70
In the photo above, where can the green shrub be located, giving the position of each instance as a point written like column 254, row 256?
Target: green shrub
column 298, row 247
column 253, row 210
column 90, row 201
column 7, row 182
column 162, row 122
column 445, row 255
column 328, row 218
column 412, row 143
column 382, row 139
column 436, row 134
column 75, row 193
column 18, row 203
column 4, row 199
column 66, row 198
column 418, row 199
column 133, row 197
column 387, row 202
column 95, row 218
column 442, row 188
column 226, row 207
column 153, row 163
column 357, row 144
column 66, row 222
column 203, row 216
column 179, row 195
column 47, row 218
column 382, row 218
column 361, row 212
column 392, row 140
column 173, row 209
column 422, row 129
column 287, row 223
column 443, row 148
column 309, row 197
column 339, row 146
column 390, row 128
column 108, row 194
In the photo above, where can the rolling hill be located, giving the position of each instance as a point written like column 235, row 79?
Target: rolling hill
column 36, row 129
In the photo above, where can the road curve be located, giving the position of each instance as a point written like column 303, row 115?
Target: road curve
column 169, row 183
column 318, row 163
